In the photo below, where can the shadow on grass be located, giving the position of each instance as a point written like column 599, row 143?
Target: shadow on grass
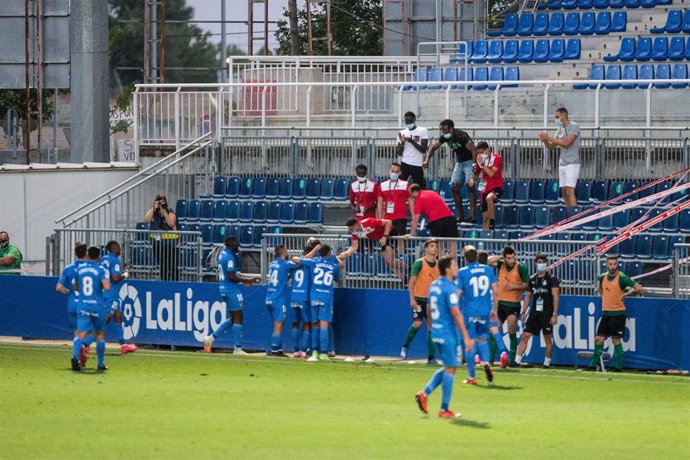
column 471, row 423
column 500, row 387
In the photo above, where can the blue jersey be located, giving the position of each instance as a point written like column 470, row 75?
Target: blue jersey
column 324, row 271
column 227, row 263
column 474, row 282
column 301, row 284
column 443, row 297
column 278, row 274
column 67, row 278
column 113, row 266
column 90, row 276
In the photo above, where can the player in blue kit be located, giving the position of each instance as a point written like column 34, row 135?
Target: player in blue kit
column 111, row 262
column 92, row 281
column 301, row 306
column 446, row 320
column 496, row 338
column 65, row 286
column 229, row 280
column 478, row 290
column 325, row 269
column 278, row 296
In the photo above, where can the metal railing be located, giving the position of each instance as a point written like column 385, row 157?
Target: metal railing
column 146, row 254
column 681, row 271
column 369, row 269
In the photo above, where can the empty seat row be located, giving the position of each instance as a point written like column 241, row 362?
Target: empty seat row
column 540, row 24
column 249, row 235
column 600, row 4
column 644, row 49
column 658, row 247
column 483, row 73
column 675, row 22
column 614, row 72
column 249, row 211
column 287, row 188
column 527, row 50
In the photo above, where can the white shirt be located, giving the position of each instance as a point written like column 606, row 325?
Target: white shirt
column 411, row 155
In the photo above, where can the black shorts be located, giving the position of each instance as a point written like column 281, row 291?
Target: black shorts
column 416, row 172
column 539, row 321
column 612, row 326
column 419, row 313
column 482, row 199
column 444, row 228
column 504, row 312
column 399, row 227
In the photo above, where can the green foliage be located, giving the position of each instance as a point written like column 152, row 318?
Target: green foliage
column 356, row 28
column 15, row 99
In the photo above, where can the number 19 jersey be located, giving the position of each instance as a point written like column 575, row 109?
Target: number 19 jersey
column 474, row 282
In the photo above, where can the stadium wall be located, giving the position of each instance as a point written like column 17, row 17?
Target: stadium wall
column 164, row 313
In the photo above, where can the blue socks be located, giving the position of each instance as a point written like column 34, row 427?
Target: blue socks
column 323, row 340
column 296, row 339
column 447, row 389
column 498, row 337
column 100, row 352
column 76, row 347
column 483, row 349
column 306, row 340
column 88, row 340
column 275, row 342
column 469, row 360
column 237, row 334
column 315, row 336
column 120, row 334
column 434, row 382
column 224, row 326
column 331, row 338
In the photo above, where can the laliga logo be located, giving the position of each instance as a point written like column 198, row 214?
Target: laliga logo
column 131, row 311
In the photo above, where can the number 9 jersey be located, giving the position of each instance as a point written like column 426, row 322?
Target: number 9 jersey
column 475, row 281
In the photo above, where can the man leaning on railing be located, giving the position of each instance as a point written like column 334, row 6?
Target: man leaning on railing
column 161, row 218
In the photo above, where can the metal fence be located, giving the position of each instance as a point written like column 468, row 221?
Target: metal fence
column 681, row 271
column 369, row 269
column 146, row 254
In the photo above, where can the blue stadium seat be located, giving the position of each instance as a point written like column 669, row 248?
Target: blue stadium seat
column 633, row 268
column 220, row 211
column 481, row 49
column 573, row 210
column 660, row 247
column 258, row 234
column 193, row 208
column 461, row 75
column 613, row 72
column 273, row 213
column 481, row 74
column 516, row 235
column 272, row 188
column 569, row 4
column 626, row 52
column 486, row 235
column 572, row 49
column 299, row 189
column 495, row 53
column 556, row 24
column 510, row 51
column 541, row 50
column 219, row 233
column 526, row 51
column 596, row 72
column 232, row 189
column 557, row 52
column 551, row 5
column 495, row 74
column 260, row 212
column 435, row 74
column 181, row 209
column 287, row 213
column 645, row 72
column 684, row 220
column 510, row 216
column 626, row 248
column 247, row 236
column 674, row 22
column 220, row 184
column 327, row 189
column 542, row 216
column 658, row 227
column 315, row 213
column 630, row 186
column 632, row 3
column 541, row 24
column 551, row 191
column 676, row 49
column 584, row 4
column 643, row 246
column 245, row 189
column 616, row 4
column 445, row 191
column 600, row 4
column 603, row 23
column 421, row 73
column 499, row 214
column 313, row 191
column 619, row 23
column 676, row 239
column 450, row 73
column 572, row 24
column 647, row 3
column 587, row 23
column 591, row 225
column 636, row 214
column 285, row 192
column 246, row 211
column 685, row 28
column 233, row 230
column 615, row 189
column 680, row 72
column 207, row 233
column 583, row 191
column 537, row 191
column 340, row 192
column 506, row 26
column 522, row 191
column 525, row 24
column 232, row 211
column 660, row 49
column 206, row 210
column 663, row 72
column 301, row 213
column 526, row 217
column 643, row 49
column 629, row 73
column 605, row 224
column 512, row 73
column 508, row 190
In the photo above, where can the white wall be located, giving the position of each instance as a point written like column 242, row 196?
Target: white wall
column 31, row 201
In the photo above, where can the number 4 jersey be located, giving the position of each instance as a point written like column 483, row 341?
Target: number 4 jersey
column 474, row 282
column 324, row 271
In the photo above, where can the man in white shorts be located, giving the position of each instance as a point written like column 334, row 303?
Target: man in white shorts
column 568, row 139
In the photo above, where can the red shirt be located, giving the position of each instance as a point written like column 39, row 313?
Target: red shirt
column 430, row 204
column 364, row 195
column 493, row 160
column 395, row 195
column 371, row 229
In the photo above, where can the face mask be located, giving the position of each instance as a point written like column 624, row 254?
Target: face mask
column 541, row 267
column 446, row 136
column 4, row 244
column 559, row 122
column 362, row 179
column 394, row 176
column 410, row 126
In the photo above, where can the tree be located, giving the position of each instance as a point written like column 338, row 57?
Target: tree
column 186, row 45
column 356, row 26
column 15, row 99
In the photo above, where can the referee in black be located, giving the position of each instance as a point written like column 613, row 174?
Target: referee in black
column 541, row 298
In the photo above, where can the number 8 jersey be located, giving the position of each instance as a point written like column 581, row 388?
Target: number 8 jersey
column 89, row 277
column 474, row 282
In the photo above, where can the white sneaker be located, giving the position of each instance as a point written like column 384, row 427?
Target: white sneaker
column 403, row 353
column 239, row 351
column 369, row 360
column 313, row 358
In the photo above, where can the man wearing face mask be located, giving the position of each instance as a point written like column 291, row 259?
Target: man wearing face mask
column 363, row 194
column 394, row 200
column 161, row 217
column 465, row 155
column 412, row 144
column 541, row 298
column 489, row 166
column 568, row 139
column 10, row 256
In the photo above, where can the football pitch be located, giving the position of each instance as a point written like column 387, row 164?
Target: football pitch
column 156, row 404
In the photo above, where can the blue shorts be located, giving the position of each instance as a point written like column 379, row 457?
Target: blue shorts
column 112, row 305
column 72, row 318
column 477, row 326
column 495, row 324
column 277, row 309
column 301, row 312
column 90, row 321
column 447, row 350
column 462, row 173
column 233, row 300
column 322, row 310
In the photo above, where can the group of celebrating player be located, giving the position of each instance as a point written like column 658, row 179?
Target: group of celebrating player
column 92, row 285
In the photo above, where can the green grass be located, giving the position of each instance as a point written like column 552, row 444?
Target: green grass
column 192, row 405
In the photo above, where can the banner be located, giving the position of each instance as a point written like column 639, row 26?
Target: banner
column 166, row 313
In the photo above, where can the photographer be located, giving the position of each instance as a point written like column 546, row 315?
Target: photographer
column 161, row 218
